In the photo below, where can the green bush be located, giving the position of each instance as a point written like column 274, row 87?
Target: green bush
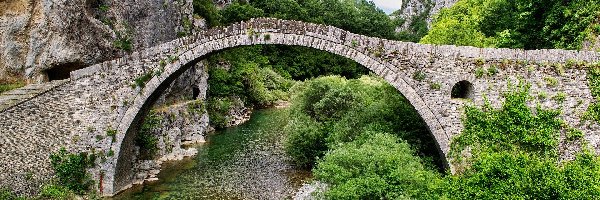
column 218, row 110
column 435, row 86
column 57, row 192
column 240, row 11
column 574, row 134
column 305, row 141
column 560, row 97
column 492, row 70
column 512, row 127
column 7, row 194
column 348, row 108
column 479, row 72
column 419, row 76
column 70, row 169
column 507, row 175
column 207, row 10
column 146, row 139
column 141, row 81
column 123, row 41
column 375, row 166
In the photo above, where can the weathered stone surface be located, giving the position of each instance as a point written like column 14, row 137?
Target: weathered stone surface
column 103, row 97
column 39, row 35
column 413, row 9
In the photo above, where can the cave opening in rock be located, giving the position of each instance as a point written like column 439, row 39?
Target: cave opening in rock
column 195, row 92
column 63, row 71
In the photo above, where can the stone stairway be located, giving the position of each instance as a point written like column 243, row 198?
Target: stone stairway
column 14, row 97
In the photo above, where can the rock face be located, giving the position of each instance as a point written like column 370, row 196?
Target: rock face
column 48, row 38
column 420, row 10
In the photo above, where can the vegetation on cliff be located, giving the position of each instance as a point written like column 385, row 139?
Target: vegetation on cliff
column 528, row 24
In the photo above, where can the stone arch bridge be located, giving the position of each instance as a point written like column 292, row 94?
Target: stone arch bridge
column 102, row 98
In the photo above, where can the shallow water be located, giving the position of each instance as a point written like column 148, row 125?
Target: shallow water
column 244, row 162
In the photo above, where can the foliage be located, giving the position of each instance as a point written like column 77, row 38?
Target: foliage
column 417, row 27
column 218, row 110
column 305, row 140
column 513, row 127
column 207, row 10
column 574, row 134
column 435, row 86
column 593, row 77
column 560, row 97
column 479, row 72
column 196, row 106
column 70, row 169
column 419, row 75
column 339, row 110
column 506, row 175
column 249, row 76
column 7, row 194
column 123, row 41
column 492, row 70
column 7, row 86
column 240, row 11
column 551, row 81
column 528, row 24
column 141, row 81
column 146, row 139
column 513, row 155
column 112, row 133
column 375, row 166
column 57, row 192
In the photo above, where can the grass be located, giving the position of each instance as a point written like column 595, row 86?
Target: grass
column 7, row 86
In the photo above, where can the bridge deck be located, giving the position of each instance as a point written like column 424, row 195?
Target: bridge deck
column 20, row 95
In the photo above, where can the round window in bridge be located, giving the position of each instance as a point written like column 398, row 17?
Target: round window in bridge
column 462, row 90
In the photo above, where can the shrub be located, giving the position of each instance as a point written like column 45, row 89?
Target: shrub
column 551, row 81
column 112, row 133
column 560, row 97
column 70, row 169
column 123, row 42
column 218, row 110
column 305, row 141
column 492, row 70
column 7, row 194
column 419, row 75
column 435, row 86
column 574, row 134
column 479, row 72
column 375, row 166
column 507, row 175
column 325, row 98
column 146, row 139
column 514, row 126
column 57, row 192
column 141, row 81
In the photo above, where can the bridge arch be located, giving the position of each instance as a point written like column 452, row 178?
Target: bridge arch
column 256, row 32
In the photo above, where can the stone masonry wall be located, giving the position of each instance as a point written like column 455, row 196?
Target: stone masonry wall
column 102, row 98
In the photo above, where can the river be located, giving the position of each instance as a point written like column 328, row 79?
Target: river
column 243, row 162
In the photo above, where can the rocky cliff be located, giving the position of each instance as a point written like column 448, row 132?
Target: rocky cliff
column 420, row 10
column 45, row 39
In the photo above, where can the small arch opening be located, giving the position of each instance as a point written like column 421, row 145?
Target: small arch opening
column 195, row 92
column 462, row 90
